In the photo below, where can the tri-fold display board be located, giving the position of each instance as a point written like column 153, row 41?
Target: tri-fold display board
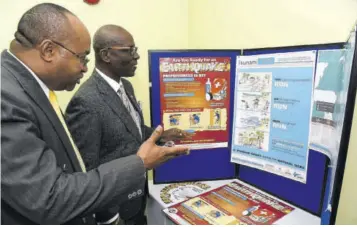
column 272, row 118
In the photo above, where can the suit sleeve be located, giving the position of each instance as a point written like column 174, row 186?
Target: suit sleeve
column 37, row 188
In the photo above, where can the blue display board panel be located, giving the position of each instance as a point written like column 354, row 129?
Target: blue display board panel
column 206, row 164
column 307, row 196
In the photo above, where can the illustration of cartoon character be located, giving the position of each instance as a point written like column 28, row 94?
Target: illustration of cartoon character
column 194, row 119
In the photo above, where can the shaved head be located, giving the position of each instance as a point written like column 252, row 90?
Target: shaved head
column 109, row 35
column 115, row 51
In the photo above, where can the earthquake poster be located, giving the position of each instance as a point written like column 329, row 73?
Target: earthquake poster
column 195, row 97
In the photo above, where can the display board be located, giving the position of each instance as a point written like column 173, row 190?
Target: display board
column 214, row 163
column 309, row 195
column 188, row 79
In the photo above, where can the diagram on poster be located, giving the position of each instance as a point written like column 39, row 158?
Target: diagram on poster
column 272, row 112
column 231, row 204
column 195, row 97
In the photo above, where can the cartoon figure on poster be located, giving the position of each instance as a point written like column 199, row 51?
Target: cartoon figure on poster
column 175, row 119
column 217, row 117
column 216, row 90
column 215, row 214
column 255, row 81
column 255, row 101
column 199, row 203
column 258, row 215
column 195, row 119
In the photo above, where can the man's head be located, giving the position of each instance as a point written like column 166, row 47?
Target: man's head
column 54, row 43
column 115, row 51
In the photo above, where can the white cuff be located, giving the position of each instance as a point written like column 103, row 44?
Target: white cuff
column 110, row 220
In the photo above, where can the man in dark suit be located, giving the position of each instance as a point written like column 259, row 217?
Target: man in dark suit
column 43, row 178
column 104, row 116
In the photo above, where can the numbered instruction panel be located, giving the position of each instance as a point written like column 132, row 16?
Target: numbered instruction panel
column 273, row 94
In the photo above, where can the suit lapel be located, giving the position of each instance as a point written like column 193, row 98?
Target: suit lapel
column 112, row 99
column 34, row 90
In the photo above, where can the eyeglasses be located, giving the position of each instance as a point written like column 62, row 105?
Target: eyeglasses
column 132, row 50
column 82, row 57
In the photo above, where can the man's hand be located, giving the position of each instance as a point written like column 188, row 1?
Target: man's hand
column 174, row 134
column 153, row 155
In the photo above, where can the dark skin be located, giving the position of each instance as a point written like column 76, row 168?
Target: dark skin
column 57, row 67
column 118, row 61
column 61, row 66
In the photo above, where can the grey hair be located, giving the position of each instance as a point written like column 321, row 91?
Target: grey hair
column 43, row 21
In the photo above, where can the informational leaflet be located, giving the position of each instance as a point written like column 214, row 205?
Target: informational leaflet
column 328, row 83
column 273, row 99
column 231, row 204
column 333, row 75
column 195, row 97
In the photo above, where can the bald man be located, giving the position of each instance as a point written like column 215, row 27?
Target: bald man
column 104, row 116
column 43, row 177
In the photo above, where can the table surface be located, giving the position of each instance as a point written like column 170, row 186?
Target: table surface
column 298, row 216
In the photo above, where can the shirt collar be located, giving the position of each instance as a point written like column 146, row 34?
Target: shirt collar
column 45, row 89
column 115, row 85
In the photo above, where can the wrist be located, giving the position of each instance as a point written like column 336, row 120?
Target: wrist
column 142, row 160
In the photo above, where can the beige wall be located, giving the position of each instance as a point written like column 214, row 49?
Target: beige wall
column 347, row 213
column 213, row 24
column 269, row 23
column 154, row 24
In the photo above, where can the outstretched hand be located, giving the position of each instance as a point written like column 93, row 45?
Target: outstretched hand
column 153, row 155
column 174, row 134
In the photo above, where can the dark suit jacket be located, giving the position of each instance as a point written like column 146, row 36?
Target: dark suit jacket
column 104, row 130
column 41, row 180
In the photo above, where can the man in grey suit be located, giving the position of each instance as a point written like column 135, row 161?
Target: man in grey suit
column 43, row 178
column 104, row 116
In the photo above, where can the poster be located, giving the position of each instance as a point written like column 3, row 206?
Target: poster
column 195, row 97
column 272, row 112
column 177, row 192
column 232, row 204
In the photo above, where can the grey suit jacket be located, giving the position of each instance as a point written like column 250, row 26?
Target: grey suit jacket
column 41, row 180
column 104, row 130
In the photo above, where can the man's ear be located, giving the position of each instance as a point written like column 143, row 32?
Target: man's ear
column 104, row 55
column 47, row 50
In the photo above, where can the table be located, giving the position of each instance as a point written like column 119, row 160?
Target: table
column 155, row 206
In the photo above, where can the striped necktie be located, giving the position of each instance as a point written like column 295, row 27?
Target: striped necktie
column 56, row 107
column 134, row 114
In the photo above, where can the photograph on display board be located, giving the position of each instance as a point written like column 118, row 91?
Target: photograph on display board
column 230, row 204
column 194, row 95
column 272, row 112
